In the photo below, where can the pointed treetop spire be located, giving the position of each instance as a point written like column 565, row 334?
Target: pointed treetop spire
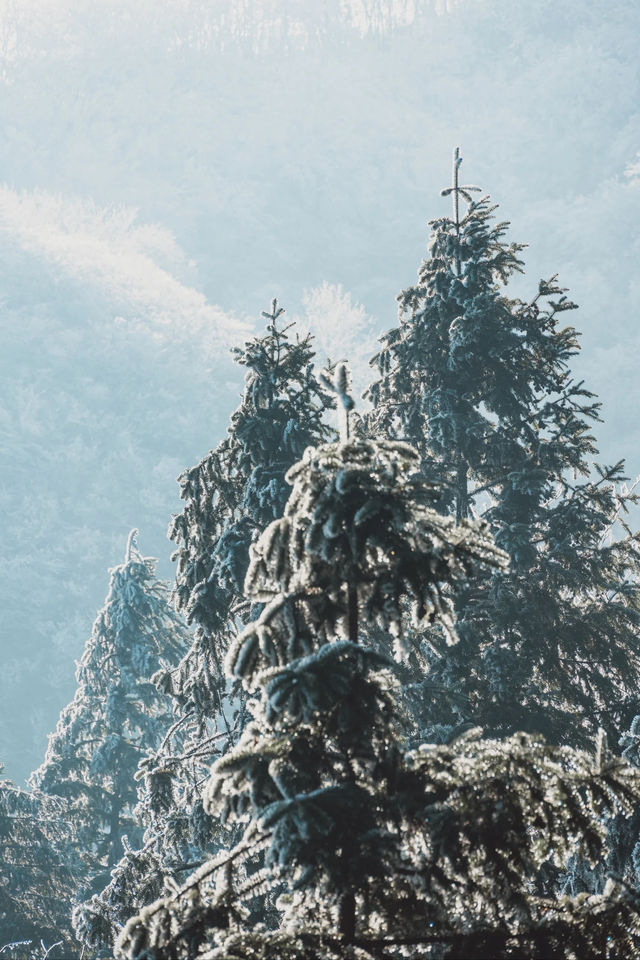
column 132, row 545
column 456, row 189
column 342, row 388
column 276, row 311
column 340, row 384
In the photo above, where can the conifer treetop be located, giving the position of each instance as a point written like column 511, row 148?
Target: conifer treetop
column 480, row 383
column 117, row 717
column 456, row 191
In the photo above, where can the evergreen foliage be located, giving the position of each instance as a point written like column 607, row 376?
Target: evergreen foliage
column 107, row 404
column 117, row 716
column 239, row 488
column 355, row 808
column 621, row 857
column 385, row 851
column 231, row 496
column 36, row 883
column 480, row 383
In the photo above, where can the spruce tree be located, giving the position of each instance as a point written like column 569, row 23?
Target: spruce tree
column 480, row 382
column 239, row 488
column 230, row 496
column 36, row 882
column 117, row 715
column 386, row 851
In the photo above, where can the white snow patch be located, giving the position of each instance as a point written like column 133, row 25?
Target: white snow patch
column 138, row 267
column 342, row 329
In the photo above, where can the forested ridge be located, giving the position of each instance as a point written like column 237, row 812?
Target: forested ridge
column 389, row 705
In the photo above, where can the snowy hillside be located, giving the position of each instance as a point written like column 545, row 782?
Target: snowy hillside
column 114, row 372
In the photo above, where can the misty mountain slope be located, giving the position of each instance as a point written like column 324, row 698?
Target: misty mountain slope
column 102, row 406
column 285, row 147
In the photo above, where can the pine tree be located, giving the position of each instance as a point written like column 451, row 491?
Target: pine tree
column 231, row 496
column 36, row 883
column 386, row 851
column 480, row 383
column 117, row 715
column 239, row 488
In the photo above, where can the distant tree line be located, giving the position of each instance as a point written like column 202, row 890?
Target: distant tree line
column 200, row 25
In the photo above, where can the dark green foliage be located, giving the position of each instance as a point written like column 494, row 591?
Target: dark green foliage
column 621, row 859
column 480, row 383
column 231, row 496
column 138, row 878
column 239, row 488
column 381, row 848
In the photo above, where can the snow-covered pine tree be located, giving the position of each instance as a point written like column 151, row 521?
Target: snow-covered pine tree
column 480, row 383
column 231, row 496
column 386, row 851
column 116, row 716
column 36, row 884
column 234, row 492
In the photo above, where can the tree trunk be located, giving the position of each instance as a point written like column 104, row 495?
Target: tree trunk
column 347, row 917
column 115, row 841
column 462, row 493
column 347, row 907
column 352, row 600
